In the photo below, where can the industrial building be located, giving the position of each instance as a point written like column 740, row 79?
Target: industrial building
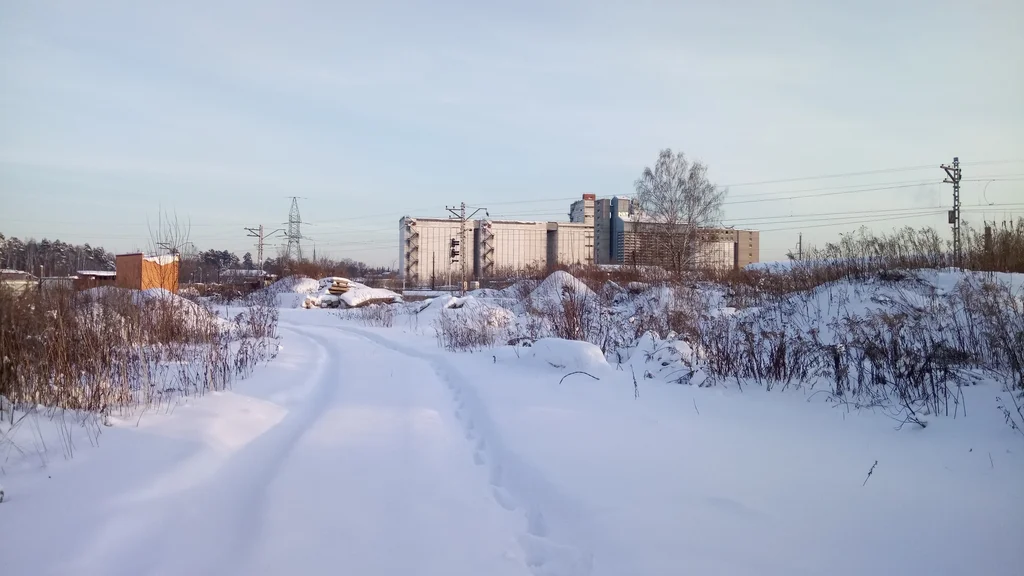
column 432, row 251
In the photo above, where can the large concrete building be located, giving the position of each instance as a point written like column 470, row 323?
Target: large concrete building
column 426, row 246
column 634, row 241
column 599, row 231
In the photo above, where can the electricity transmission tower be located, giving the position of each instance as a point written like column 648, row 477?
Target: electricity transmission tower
column 261, row 237
column 953, row 177
column 294, row 234
column 461, row 254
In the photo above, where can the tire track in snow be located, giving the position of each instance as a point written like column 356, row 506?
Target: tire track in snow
column 514, row 485
column 230, row 505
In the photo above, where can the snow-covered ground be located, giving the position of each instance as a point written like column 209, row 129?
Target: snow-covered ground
column 373, row 451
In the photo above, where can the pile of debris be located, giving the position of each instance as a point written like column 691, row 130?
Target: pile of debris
column 337, row 292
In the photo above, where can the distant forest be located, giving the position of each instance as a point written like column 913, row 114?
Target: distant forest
column 57, row 258
column 62, row 259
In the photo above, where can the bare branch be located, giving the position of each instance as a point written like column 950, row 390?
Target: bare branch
column 577, row 372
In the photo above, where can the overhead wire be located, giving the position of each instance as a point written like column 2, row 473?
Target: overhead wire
column 337, row 236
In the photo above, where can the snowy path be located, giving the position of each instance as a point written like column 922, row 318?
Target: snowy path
column 371, row 451
column 385, row 481
column 370, row 471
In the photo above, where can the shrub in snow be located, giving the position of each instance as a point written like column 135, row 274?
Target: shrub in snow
column 103, row 349
column 380, row 315
column 2, row 493
column 471, row 324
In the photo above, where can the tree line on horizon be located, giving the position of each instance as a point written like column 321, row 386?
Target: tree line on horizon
column 59, row 258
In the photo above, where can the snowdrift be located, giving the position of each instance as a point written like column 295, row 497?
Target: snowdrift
column 556, row 288
column 569, row 355
column 291, row 291
column 189, row 311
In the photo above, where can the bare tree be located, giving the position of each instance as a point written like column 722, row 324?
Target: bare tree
column 675, row 201
column 169, row 240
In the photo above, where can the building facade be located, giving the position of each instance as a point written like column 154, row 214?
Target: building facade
column 507, row 245
column 599, row 231
column 141, row 272
column 425, row 250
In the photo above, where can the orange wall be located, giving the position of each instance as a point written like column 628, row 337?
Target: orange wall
column 136, row 273
column 129, row 271
column 156, row 276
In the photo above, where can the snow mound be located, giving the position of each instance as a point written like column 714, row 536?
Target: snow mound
column 569, row 355
column 441, row 303
column 292, row 291
column 665, row 359
column 191, row 312
column 357, row 295
column 296, row 284
column 557, row 288
column 473, row 311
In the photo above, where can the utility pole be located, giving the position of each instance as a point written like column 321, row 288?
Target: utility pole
column 460, row 213
column 953, row 177
column 800, row 247
column 261, row 237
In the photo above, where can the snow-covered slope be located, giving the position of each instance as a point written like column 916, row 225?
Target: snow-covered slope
column 375, row 451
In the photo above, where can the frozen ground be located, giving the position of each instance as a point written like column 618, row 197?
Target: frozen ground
column 371, row 451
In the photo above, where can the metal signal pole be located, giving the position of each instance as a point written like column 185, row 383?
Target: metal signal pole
column 953, row 177
column 460, row 213
column 261, row 237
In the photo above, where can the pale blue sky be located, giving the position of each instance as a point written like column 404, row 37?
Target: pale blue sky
column 111, row 110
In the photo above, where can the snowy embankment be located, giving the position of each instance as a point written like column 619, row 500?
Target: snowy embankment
column 377, row 451
column 612, row 477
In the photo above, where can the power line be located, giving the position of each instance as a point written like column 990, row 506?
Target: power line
column 822, row 195
column 866, row 173
column 814, row 217
column 840, row 222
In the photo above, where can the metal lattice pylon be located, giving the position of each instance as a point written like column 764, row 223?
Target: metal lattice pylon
column 294, row 250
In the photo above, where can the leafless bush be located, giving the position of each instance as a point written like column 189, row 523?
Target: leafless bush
column 999, row 248
column 259, row 320
column 100, row 352
column 914, row 351
column 472, row 328
column 381, row 315
column 574, row 316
